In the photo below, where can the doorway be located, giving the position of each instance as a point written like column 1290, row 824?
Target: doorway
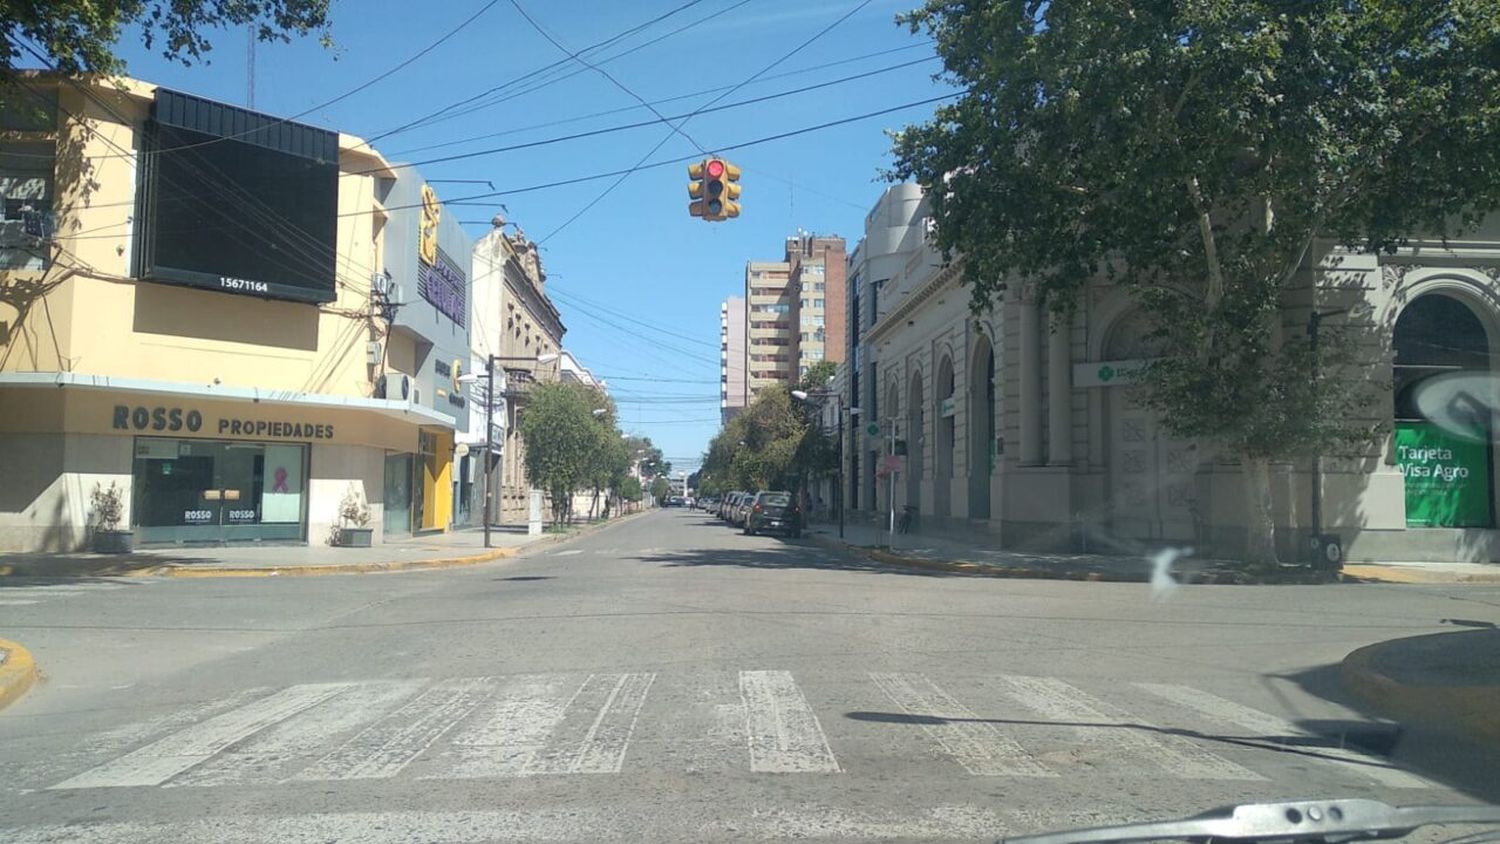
column 216, row 492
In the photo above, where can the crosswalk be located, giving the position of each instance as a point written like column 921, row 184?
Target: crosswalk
column 760, row 721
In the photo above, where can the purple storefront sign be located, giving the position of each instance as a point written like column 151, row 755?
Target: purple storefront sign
column 443, row 286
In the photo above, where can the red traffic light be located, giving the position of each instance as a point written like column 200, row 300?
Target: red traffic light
column 715, row 168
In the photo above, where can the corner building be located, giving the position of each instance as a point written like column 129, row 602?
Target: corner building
column 213, row 310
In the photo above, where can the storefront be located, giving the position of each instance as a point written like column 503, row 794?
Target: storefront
column 225, row 467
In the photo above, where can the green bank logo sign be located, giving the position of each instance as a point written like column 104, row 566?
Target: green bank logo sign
column 1446, row 476
column 175, row 419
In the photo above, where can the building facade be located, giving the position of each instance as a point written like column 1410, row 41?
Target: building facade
column 204, row 333
column 770, row 343
column 732, row 374
column 794, row 311
column 1027, row 428
column 525, row 330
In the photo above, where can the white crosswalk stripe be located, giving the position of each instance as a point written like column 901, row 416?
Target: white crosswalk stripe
column 978, row 746
column 784, row 734
column 1215, row 708
column 159, row 761
column 756, row 721
column 1127, row 739
column 27, row 592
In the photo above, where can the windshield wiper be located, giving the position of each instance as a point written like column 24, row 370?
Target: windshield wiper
column 1327, row 821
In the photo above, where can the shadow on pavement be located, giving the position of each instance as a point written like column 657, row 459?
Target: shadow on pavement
column 1432, row 749
column 1372, row 739
column 15, row 567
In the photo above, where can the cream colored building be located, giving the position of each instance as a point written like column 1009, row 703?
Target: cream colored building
column 519, row 324
column 196, row 309
column 1027, row 431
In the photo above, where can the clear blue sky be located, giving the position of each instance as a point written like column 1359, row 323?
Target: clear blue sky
column 635, row 257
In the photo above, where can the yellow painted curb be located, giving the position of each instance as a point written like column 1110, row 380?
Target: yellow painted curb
column 1470, row 709
column 17, row 672
column 1411, row 574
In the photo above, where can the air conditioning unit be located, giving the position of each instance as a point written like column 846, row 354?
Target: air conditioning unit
column 394, row 385
column 416, row 394
column 379, row 284
column 393, row 294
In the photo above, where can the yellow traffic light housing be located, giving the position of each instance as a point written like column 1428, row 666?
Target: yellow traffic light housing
column 715, row 189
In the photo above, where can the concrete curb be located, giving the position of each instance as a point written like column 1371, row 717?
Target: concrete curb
column 1374, row 573
column 379, row 568
column 1473, row 710
column 17, row 672
column 1207, row 578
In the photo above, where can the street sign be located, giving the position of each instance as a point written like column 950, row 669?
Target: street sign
column 1108, row 373
column 873, row 429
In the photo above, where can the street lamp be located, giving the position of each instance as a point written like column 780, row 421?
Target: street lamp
column 838, row 491
column 489, row 420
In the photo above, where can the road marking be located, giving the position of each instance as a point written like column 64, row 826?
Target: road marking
column 1094, row 721
column 975, row 744
column 583, row 742
column 783, row 733
column 12, row 602
column 1273, row 729
column 515, row 726
column 572, row 553
column 161, row 760
column 261, row 758
column 382, row 749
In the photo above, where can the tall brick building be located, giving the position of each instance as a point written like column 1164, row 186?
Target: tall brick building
column 795, row 311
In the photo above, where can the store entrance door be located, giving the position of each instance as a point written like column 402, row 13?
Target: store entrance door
column 213, row 492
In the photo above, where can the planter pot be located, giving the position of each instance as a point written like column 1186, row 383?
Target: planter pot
column 113, row 541
column 355, row 537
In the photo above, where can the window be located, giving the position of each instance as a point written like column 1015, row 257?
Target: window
column 25, row 203
column 817, row 303
column 804, row 336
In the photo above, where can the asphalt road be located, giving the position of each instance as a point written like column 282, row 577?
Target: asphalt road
column 670, row 679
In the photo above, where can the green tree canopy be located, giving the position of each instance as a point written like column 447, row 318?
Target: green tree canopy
column 660, row 489
column 562, row 437
column 80, row 35
column 1196, row 153
column 817, row 376
column 772, row 444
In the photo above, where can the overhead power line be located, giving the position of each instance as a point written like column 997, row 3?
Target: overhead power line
column 677, row 127
column 473, row 198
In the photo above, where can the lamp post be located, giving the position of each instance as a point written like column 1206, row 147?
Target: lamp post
column 1314, row 322
column 489, row 421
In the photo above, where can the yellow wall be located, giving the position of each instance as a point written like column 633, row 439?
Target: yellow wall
column 89, row 317
column 437, row 482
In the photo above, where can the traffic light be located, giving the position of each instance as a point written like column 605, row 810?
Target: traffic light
column 715, row 189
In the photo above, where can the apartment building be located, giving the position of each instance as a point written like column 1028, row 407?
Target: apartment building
column 732, row 386
column 795, row 311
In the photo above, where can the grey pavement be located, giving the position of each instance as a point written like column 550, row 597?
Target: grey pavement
column 668, row 679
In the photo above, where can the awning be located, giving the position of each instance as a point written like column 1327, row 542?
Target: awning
column 406, row 411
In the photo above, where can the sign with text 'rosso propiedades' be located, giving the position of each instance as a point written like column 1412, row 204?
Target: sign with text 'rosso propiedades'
column 1447, row 476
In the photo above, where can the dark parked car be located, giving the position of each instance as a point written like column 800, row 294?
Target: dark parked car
column 774, row 512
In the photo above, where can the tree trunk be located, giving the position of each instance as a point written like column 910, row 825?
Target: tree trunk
column 1260, row 527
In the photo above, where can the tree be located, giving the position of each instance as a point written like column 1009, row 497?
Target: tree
column 660, row 489
column 818, row 375
column 630, row 489
column 1196, row 154
column 80, row 35
column 561, row 437
column 772, row 444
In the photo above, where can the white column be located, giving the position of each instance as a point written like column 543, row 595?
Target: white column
column 1060, row 393
column 1030, row 360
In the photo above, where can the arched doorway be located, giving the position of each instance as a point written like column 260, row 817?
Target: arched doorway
column 1152, row 474
column 916, row 437
column 981, row 426
column 1443, row 400
column 942, row 487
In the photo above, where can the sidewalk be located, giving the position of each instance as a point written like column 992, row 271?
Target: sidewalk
column 462, row 546
column 972, row 555
column 1450, row 680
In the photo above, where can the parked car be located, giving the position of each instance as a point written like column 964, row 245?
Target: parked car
column 774, row 512
column 726, row 509
column 742, row 508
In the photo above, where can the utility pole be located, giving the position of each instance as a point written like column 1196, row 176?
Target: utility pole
column 891, row 495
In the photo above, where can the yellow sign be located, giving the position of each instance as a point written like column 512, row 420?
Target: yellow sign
column 432, row 211
column 457, row 370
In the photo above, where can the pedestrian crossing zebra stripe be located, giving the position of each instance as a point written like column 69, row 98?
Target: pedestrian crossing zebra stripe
column 1096, row 722
column 159, row 761
column 976, row 745
column 552, row 724
column 1269, row 727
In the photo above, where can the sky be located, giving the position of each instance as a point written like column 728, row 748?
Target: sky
column 638, row 281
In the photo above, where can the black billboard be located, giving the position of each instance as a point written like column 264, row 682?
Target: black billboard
column 237, row 201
